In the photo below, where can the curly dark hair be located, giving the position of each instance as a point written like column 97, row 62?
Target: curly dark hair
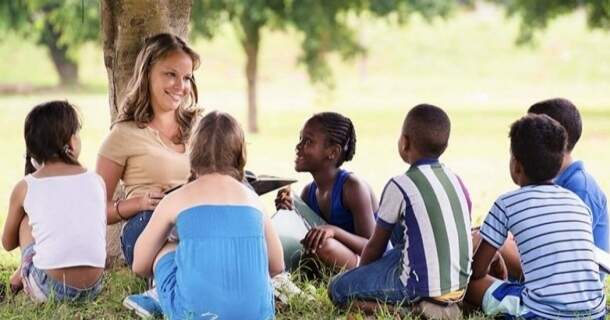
column 428, row 128
column 339, row 130
column 538, row 142
column 565, row 112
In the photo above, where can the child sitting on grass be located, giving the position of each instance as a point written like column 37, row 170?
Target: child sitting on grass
column 429, row 268
column 345, row 202
column 57, row 212
column 572, row 176
column 551, row 227
column 227, row 251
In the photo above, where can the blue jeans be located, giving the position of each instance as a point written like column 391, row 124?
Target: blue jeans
column 378, row 280
column 398, row 235
column 130, row 233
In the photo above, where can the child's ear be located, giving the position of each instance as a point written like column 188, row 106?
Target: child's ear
column 334, row 152
column 516, row 171
column 406, row 143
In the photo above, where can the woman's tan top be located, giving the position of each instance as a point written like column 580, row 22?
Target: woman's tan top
column 149, row 164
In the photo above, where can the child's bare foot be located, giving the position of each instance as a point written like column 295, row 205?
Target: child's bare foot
column 16, row 281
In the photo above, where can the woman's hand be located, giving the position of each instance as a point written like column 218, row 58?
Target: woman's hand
column 315, row 238
column 283, row 200
column 150, row 200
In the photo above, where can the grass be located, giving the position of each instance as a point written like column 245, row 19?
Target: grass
column 468, row 65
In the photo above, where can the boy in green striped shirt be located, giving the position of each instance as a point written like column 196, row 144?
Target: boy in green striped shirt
column 425, row 213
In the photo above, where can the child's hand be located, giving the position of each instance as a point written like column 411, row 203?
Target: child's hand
column 150, row 200
column 315, row 238
column 283, row 200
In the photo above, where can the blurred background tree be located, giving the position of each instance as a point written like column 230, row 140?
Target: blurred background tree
column 62, row 26
column 535, row 15
column 326, row 27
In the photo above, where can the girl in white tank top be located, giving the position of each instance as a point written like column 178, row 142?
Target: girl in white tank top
column 57, row 213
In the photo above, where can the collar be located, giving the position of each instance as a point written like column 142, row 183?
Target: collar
column 567, row 173
column 540, row 184
column 424, row 161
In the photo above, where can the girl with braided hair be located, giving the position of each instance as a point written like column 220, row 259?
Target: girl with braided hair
column 345, row 202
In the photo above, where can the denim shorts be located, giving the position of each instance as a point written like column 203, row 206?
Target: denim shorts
column 130, row 233
column 40, row 287
column 379, row 281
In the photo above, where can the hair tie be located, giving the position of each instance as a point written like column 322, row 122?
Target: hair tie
column 35, row 163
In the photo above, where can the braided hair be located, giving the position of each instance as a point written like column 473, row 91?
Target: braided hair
column 339, row 130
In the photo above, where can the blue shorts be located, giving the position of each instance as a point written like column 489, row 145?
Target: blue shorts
column 378, row 281
column 165, row 279
column 40, row 287
column 504, row 298
column 130, row 233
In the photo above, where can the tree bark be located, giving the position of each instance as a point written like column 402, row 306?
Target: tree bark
column 250, row 44
column 125, row 25
column 67, row 68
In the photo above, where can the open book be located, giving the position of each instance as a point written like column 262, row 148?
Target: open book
column 265, row 183
column 260, row 184
column 292, row 226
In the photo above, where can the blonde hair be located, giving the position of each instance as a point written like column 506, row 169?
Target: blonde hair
column 218, row 146
column 137, row 104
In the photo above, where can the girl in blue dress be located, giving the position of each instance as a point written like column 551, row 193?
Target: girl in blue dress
column 228, row 250
column 345, row 202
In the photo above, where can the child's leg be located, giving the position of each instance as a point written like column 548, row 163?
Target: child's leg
column 167, row 248
column 377, row 281
column 25, row 239
column 512, row 259
column 498, row 268
column 336, row 254
column 149, row 304
column 476, row 290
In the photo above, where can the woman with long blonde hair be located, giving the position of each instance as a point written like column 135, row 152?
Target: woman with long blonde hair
column 146, row 148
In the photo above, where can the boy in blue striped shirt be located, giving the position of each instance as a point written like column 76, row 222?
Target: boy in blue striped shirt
column 552, row 229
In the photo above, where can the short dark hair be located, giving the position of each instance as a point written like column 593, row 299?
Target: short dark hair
column 538, row 142
column 48, row 129
column 428, row 128
column 565, row 112
column 218, row 146
column 339, row 130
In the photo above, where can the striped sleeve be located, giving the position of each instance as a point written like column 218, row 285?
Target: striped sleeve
column 495, row 226
column 390, row 206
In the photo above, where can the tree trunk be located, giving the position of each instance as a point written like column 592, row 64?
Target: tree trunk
column 250, row 43
column 66, row 67
column 125, row 25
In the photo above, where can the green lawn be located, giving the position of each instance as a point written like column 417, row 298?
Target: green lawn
column 468, row 65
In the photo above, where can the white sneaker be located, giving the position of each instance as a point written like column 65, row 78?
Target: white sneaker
column 284, row 288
